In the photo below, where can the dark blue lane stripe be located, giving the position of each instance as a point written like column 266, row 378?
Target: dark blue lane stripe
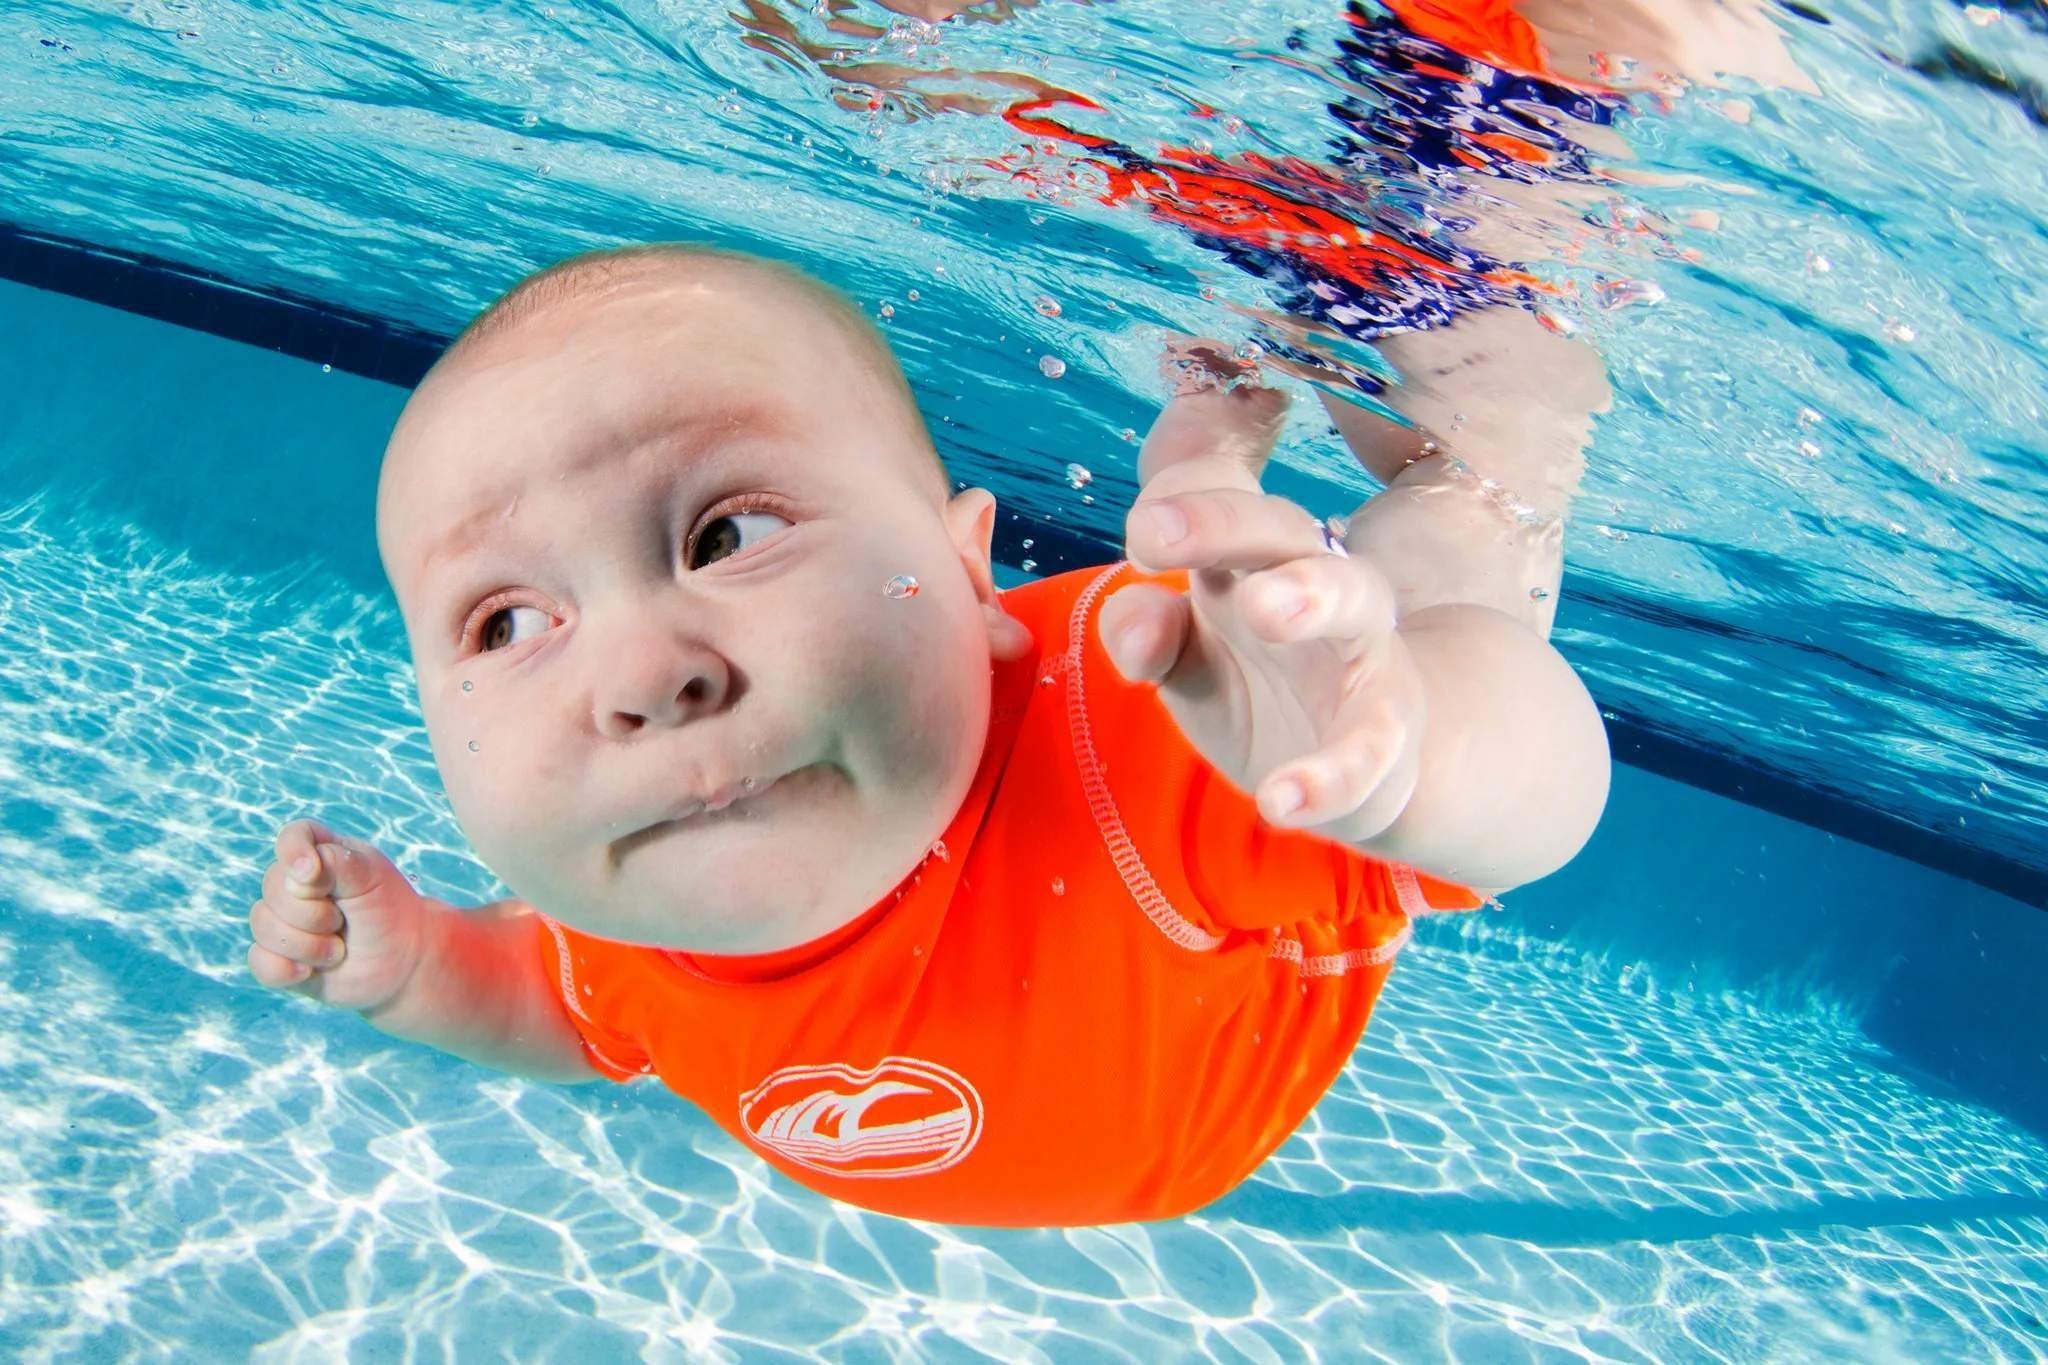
column 377, row 348
column 274, row 319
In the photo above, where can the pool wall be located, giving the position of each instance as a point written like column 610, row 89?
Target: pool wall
column 249, row 461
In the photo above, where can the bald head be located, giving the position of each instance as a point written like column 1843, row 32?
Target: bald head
column 597, row 275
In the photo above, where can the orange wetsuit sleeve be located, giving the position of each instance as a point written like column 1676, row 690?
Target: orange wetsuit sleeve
column 566, row 963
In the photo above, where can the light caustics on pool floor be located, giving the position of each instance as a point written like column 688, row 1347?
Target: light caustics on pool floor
column 1536, row 1155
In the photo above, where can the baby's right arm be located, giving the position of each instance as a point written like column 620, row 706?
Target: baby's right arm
column 358, row 936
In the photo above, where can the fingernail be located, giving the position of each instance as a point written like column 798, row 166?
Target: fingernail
column 1168, row 522
column 305, row 867
column 1285, row 601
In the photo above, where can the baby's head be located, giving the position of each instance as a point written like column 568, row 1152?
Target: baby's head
column 639, row 520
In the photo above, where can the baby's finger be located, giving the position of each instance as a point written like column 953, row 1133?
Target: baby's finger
column 1144, row 628
column 1320, row 597
column 293, row 944
column 316, row 913
column 279, row 973
column 1219, row 528
column 1330, row 783
column 298, row 852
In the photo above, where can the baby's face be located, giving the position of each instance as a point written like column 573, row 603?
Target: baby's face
column 641, row 544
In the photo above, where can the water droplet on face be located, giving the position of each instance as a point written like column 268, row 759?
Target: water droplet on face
column 1059, row 886
column 746, row 784
column 1538, row 594
column 899, row 587
column 468, row 686
column 1078, row 476
column 1051, row 366
column 1047, row 304
column 474, row 747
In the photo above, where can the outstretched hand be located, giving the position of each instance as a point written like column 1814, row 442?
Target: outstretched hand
column 1280, row 663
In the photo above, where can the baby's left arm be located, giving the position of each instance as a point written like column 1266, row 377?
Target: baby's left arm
column 1455, row 739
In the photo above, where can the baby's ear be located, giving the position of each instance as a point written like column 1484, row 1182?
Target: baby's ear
column 971, row 522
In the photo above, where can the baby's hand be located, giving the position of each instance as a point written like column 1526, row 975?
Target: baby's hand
column 1280, row 663
column 338, row 921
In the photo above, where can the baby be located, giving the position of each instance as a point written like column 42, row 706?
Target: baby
column 1052, row 906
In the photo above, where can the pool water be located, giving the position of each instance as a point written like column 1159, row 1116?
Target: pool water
column 1731, row 1086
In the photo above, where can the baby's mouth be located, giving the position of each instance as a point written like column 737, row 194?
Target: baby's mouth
column 731, row 802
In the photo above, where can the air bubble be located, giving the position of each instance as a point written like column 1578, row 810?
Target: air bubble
column 1051, row 366
column 1628, row 293
column 900, row 587
column 888, row 310
column 1059, row 886
column 468, row 686
column 1128, row 435
column 474, row 747
column 1047, row 304
column 939, row 851
column 912, row 295
column 1539, row 594
column 1028, row 565
column 1900, row 331
column 1809, row 417
column 1809, row 449
column 327, row 369
column 1029, row 542
column 1818, row 264
column 1078, row 476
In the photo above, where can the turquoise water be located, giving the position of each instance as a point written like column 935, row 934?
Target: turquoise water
column 1727, row 1088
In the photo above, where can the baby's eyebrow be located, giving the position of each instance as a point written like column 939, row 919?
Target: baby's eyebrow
column 703, row 430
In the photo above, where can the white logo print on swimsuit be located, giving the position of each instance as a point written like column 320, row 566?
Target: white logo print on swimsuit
column 901, row 1117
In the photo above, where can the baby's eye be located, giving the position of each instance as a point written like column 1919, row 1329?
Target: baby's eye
column 727, row 535
column 498, row 632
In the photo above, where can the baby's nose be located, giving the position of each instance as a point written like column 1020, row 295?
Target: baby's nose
column 665, row 685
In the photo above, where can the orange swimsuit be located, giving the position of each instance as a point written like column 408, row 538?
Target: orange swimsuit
column 1109, row 993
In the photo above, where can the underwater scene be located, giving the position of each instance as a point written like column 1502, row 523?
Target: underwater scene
column 1738, row 304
